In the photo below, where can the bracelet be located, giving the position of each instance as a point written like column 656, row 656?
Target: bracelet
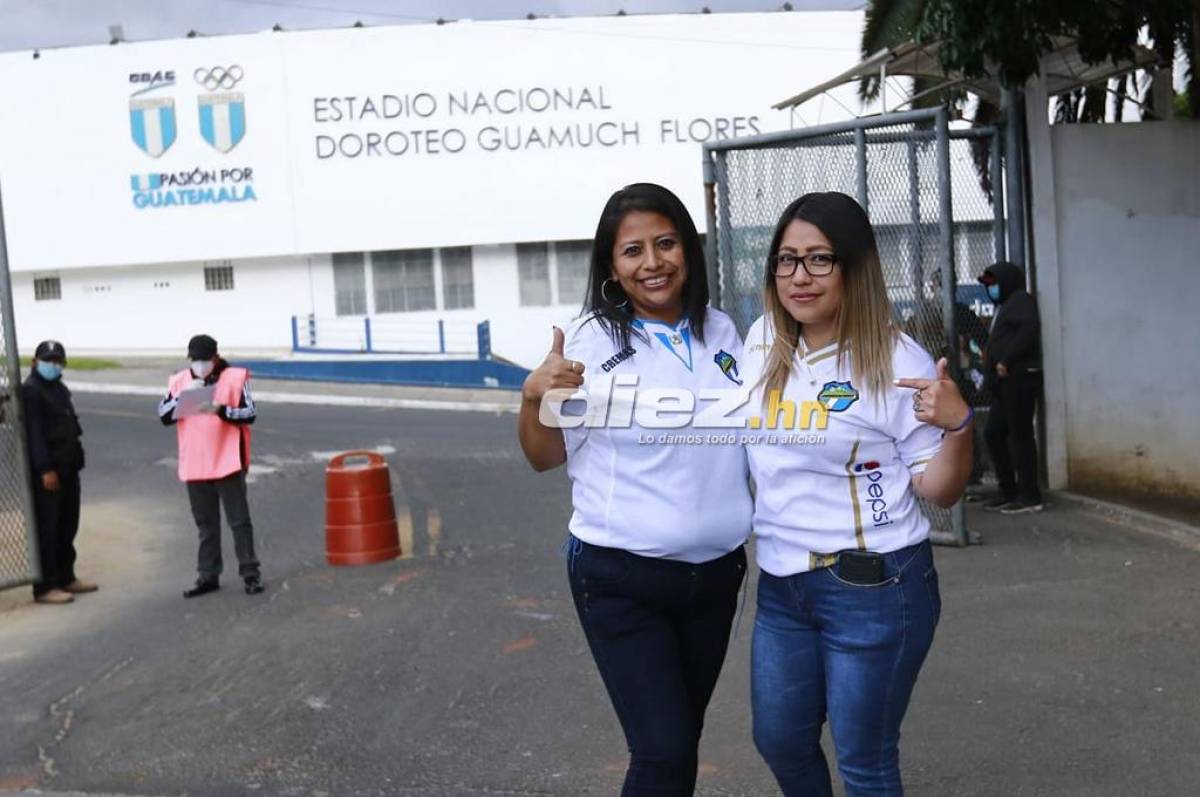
column 964, row 424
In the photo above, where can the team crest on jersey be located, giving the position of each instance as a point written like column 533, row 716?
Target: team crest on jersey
column 728, row 366
column 837, row 396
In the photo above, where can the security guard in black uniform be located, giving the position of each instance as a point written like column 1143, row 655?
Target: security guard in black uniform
column 55, row 457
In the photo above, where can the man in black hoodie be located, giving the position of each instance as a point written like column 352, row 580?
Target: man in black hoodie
column 52, row 432
column 1013, row 374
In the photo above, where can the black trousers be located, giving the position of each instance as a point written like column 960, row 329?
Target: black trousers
column 56, row 515
column 658, row 630
column 1010, row 438
column 206, row 498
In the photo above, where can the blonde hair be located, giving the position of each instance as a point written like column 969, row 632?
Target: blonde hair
column 864, row 315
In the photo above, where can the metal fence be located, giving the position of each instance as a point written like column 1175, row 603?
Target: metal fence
column 389, row 334
column 936, row 228
column 18, row 546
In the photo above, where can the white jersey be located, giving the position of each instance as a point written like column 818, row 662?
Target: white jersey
column 847, row 485
column 686, row 498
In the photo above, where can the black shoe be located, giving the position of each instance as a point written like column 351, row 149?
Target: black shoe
column 254, row 585
column 996, row 504
column 1022, row 506
column 203, row 586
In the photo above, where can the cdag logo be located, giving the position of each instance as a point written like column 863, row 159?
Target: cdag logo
column 152, row 118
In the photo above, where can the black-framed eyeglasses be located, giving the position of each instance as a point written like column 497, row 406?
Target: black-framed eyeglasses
column 818, row 264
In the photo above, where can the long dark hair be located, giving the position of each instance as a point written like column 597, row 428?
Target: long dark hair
column 864, row 315
column 648, row 198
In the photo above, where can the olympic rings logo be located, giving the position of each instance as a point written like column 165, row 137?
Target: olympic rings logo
column 219, row 77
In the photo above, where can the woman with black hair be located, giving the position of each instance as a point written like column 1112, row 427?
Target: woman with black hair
column 660, row 513
column 848, row 595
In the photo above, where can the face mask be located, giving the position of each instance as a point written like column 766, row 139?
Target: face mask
column 49, row 371
column 994, row 292
column 202, row 368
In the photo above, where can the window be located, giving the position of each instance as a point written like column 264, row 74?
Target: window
column 571, row 261
column 403, row 280
column 218, row 278
column 458, row 279
column 46, row 289
column 533, row 270
column 349, row 283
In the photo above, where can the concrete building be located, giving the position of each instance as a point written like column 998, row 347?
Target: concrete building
column 407, row 175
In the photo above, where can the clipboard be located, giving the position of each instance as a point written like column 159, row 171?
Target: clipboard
column 196, row 401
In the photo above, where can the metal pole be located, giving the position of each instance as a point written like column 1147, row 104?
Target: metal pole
column 367, row 332
column 1014, row 103
column 860, row 152
column 710, row 235
column 949, row 286
column 915, row 249
column 725, row 243
column 998, row 243
column 12, row 366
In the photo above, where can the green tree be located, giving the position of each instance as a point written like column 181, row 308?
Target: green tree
column 1012, row 35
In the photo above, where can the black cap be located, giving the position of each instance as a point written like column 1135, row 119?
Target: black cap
column 50, row 351
column 202, row 347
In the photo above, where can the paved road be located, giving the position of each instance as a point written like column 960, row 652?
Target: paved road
column 1065, row 663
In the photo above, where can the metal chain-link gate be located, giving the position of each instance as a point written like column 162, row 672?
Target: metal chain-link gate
column 936, row 228
column 18, row 545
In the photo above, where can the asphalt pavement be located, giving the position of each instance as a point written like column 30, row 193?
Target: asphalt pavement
column 1065, row 663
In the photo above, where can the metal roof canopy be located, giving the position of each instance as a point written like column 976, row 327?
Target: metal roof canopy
column 1064, row 70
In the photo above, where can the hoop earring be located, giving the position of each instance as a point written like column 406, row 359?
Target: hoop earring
column 604, row 294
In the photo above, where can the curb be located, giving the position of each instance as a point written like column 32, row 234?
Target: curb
column 275, row 397
column 1136, row 519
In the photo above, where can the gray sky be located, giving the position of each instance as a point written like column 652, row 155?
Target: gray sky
column 32, row 24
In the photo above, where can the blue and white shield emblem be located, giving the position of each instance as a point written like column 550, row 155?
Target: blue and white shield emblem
column 152, row 124
column 837, row 396
column 223, row 120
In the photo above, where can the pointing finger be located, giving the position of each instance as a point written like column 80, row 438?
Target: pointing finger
column 915, row 384
column 943, row 369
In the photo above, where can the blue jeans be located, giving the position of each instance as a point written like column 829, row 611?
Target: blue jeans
column 658, row 630
column 826, row 648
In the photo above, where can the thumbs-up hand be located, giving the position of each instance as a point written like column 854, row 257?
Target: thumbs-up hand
column 937, row 401
column 555, row 372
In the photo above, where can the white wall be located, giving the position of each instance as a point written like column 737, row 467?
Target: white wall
column 155, row 309
column 1126, row 261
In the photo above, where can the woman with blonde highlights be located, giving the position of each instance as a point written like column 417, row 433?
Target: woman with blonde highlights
column 840, row 449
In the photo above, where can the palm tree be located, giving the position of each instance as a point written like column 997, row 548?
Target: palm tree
column 890, row 23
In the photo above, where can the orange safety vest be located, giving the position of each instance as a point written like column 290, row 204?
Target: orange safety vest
column 210, row 448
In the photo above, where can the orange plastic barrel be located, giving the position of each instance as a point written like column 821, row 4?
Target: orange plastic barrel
column 360, row 516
